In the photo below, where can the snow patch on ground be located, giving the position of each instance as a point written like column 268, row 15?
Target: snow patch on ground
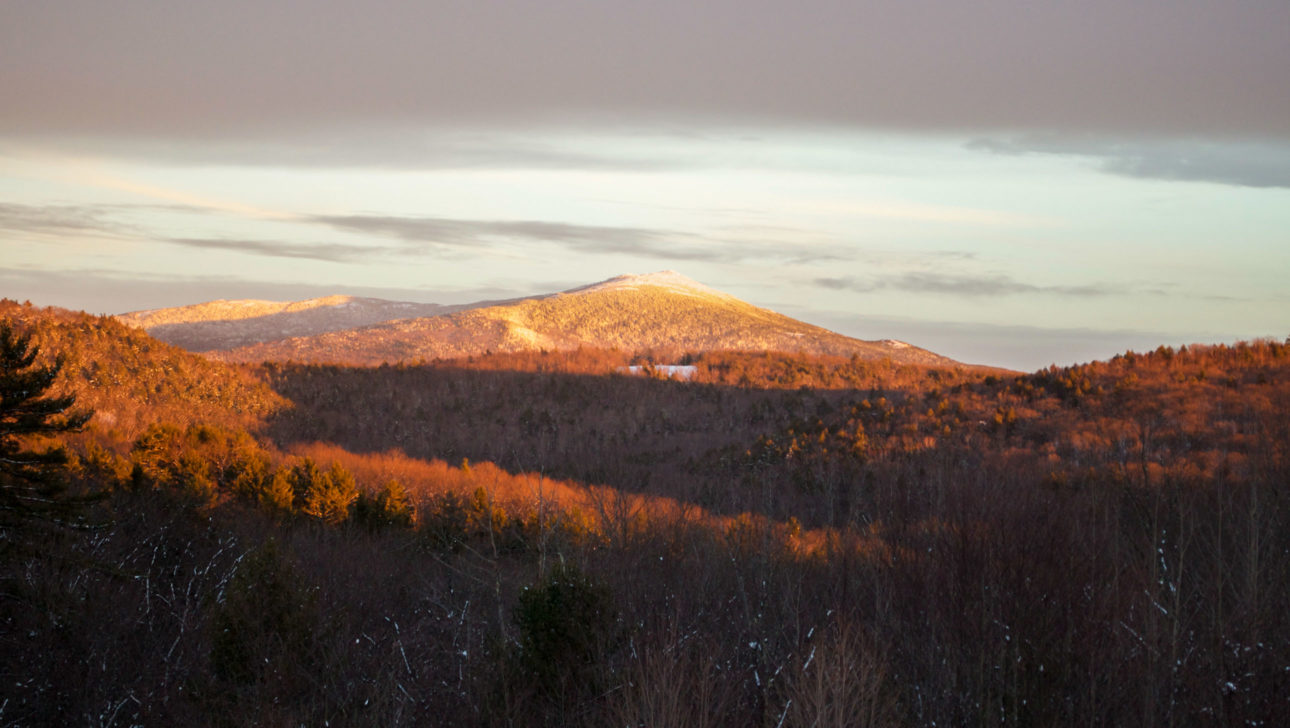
column 671, row 371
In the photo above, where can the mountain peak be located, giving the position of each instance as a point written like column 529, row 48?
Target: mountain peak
column 668, row 279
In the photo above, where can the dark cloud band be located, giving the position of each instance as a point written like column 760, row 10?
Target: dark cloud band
column 84, row 67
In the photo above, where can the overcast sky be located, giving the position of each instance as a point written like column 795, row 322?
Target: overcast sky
column 1013, row 183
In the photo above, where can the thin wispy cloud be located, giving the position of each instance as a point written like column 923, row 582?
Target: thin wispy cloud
column 58, row 220
column 73, row 169
column 967, row 285
column 431, row 234
column 415, row 236
column 457, row 232
column 919, row 212
column 103, row 221
column 327, row 252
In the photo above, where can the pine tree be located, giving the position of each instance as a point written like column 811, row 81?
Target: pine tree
column 277, row 495
column 32, row 483
column 330, row 494
column 390, row 506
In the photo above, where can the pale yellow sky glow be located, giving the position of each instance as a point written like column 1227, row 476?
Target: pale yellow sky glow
column 86, row 172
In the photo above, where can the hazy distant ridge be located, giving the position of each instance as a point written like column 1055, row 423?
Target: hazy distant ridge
column 223, row 324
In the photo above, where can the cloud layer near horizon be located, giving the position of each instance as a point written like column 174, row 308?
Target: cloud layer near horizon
column 410, row 236
column 1245, row 163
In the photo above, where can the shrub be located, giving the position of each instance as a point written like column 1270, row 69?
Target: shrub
column 566, row 625
column 265, row 625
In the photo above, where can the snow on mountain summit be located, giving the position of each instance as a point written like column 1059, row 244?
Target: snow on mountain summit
column 668, row 279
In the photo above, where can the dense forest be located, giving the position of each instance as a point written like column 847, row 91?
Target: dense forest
column 545, row 539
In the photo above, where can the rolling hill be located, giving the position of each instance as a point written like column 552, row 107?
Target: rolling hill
column 130, row 380
column 659, row 311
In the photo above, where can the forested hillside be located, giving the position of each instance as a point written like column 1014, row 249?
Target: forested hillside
column 659, row 311
column 543, row 539
column 132, row 380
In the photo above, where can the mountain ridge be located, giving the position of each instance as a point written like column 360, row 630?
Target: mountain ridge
column 656, row 311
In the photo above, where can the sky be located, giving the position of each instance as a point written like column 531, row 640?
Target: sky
column 1003, row 182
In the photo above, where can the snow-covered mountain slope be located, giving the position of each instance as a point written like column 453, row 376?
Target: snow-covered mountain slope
column 667, row 279
column 661, row 311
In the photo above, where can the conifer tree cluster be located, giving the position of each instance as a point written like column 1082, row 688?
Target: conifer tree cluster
column 32, row 484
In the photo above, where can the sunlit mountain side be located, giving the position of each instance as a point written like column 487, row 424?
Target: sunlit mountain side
column 658, row 311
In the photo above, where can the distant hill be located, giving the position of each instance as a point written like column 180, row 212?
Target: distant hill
column 132, row 380
column 659, row 311
column 231, row 324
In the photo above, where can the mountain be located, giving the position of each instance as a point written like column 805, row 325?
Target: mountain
column 658, row 311
column 230, row 324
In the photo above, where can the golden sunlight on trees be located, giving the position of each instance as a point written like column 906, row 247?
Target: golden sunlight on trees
column 32, row 481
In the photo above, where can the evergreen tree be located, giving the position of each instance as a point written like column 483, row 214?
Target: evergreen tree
column 32, row 484
column 330, row 494
column 567, row 624
column 390, row 506
column 278, row 495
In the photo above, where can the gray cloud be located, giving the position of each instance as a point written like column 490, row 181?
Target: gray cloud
column 960, row 285
column 243, row 70
column 420, row 236
column 59, row 220
column 1233, row 162
column 461, row 233
column 440, row 234
column 329, row 252
column 100, row 221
